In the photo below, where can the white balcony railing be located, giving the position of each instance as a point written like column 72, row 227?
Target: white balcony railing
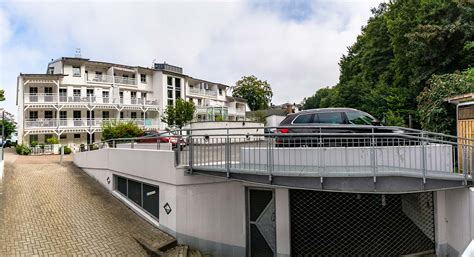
column 53, row 98
column 83, row 122
column 125, row 80
column 99, row 78
column 198, row 91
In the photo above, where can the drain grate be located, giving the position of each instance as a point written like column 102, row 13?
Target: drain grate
column 338, row 224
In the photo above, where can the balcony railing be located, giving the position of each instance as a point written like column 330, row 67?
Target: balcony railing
column 83, row 122
column 198, row 91
column 53, row 98
column 125, row 80
column 99, row 78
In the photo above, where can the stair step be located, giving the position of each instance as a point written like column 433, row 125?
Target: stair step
column 194, row 253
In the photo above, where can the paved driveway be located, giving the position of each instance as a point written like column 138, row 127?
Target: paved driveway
column 49, row 209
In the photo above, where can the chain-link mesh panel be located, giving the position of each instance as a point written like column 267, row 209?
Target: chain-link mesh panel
column 343, row 224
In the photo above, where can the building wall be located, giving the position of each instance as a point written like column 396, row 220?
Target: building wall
column 454, row 221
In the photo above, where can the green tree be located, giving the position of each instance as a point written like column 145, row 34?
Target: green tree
column 258, row 93
column 116, row 129
column 2, row 95
column 435, row 113
column 10, row 128
column 318, row 99
column 402, row 46
column 180, row 114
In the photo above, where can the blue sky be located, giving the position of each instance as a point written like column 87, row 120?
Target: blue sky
column 295, row 45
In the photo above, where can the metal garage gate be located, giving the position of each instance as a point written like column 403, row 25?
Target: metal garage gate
column 346, row 224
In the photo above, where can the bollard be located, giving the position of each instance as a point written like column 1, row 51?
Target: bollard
column 62, row 155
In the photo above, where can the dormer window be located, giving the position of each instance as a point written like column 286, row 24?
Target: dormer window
column 76, row 71
column 143, row 78
column 50, row 70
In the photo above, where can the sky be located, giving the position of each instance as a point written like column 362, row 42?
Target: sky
column 294, row 45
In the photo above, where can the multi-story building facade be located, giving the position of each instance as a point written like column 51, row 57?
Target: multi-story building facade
column 76, row 95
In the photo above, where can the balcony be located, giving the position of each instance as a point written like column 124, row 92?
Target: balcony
column 125, row 80
column 83, row 122
column 99, row 78
column 236, row 111
column 198, row 91
column 91, row 99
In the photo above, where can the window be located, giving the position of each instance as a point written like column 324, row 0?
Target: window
column 220, row 91
column 177, row 82
column 63, row 136
column 76, row 71
column 133, row 94
column 33, row 138
column 33, row 90
column 98, row 73
column 77, row 136
column 48, row 114
column 306, row 118
column 144, row 96
column 76, row 92
column 200, row 102
column 63, row 114
column 121, row 115
column 144, row 195
column 359, row 118
column 330, row 118
column 105, row 115
column 50, row 70
column 170, row 81
column 48, row 91
column 76, row 114
column 105, row 96
column 33, row 115
column 143, row 78
column 133, row 115
column 63, row 91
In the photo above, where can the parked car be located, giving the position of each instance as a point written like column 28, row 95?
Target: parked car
column 163, row 136
column 332, row 121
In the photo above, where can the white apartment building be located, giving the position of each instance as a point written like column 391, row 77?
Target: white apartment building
column 76, row 95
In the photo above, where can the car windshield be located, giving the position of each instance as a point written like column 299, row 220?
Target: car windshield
column 359, row 118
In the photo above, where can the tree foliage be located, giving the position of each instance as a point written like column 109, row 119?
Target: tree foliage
column 258, row 93
column 2, row 95
column 10, row 128
column 180, row 114
column 435, row 113
column 403, row 45
column 116, row 129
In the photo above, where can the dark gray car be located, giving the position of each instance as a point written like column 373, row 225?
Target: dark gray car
column 342, row 123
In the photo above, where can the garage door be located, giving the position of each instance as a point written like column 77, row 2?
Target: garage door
column 343, row 224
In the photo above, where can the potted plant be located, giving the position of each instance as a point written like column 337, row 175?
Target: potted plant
column 54, row 142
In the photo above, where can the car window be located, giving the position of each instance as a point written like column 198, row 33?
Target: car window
column 305, row 118
column 359, row 118
column 330, row 118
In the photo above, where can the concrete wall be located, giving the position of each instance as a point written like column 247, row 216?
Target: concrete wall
column 454, row 221
column 207, row 213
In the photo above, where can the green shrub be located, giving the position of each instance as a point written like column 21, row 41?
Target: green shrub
column 23, row 149
column 34, row 143
column 67, row 150
column 114, row 129
column 52, row 140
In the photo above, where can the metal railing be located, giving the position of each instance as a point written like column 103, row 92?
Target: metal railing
column 321, row 153
column 198, row 91
column 125, row 80
column 99, row 78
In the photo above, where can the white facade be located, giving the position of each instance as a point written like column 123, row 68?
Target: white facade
column 75, row 96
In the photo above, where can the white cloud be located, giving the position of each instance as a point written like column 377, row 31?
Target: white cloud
column 219, row 41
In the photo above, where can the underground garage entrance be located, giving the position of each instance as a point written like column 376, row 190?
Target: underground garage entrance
column 348, row 224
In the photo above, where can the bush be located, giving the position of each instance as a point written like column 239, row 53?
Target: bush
column 23, row 149
column 52, row 140
column 33, row 143
column 67, row 150
column 114, row 129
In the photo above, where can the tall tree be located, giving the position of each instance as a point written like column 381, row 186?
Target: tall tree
column 404, row 44
column 2, row 95
column 258, row 93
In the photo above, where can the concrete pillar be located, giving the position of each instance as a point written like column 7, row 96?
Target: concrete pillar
column 282, row 209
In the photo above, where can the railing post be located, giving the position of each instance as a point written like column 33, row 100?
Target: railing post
column 423, row 153
column 269, row 159
column 227, row 154
column 191, row 152
column 178, row 147
column 373, row 157
column 113, row 143
column 133, row 146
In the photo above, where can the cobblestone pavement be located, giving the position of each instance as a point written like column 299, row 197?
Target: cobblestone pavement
column 49, row 209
